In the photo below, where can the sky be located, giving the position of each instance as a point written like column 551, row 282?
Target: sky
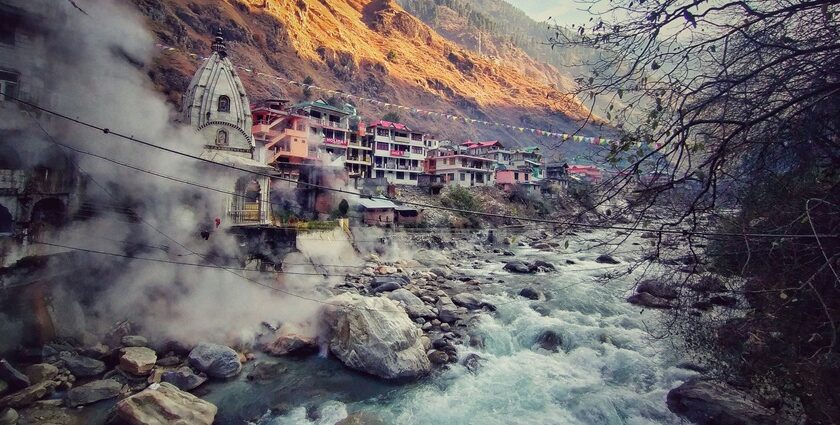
column 565, row 12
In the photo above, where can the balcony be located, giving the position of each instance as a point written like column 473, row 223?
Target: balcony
column 261, row 129
column 327, row 123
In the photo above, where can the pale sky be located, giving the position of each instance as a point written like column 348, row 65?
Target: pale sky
column 565, row 12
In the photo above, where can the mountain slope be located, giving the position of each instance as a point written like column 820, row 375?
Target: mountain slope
column 372, row 48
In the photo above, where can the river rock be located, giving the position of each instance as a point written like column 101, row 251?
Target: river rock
column 138, row 360
column 184, row 378
column 82, row 366
column 8, row 416
column 28, row 395
column 361, row 418
column 469, row 301
column 530, row 293
column 134, row 341
column 163, row 404
column 3, row 387
column 723, row 300
column 647, row 300
column 438, row 357
column 217, row 361
column 708, row 402
column 606, row 259
column 414, row 306
column 472, row 362
column 440, row 272
column 448, row 311
column 93, row 392
column 657, row 289
column 287, row 343
column 266, row 371
column 375, row 335
column 549, row 340
column 517, row 267
column 114, row 336
column 13, row 377
column 541, row 266
column 41, row 372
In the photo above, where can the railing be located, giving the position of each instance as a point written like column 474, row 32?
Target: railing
column 250, row 213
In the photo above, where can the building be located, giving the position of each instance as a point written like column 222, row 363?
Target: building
column 528, row 159
column 430, row 183
column 359, row 160
column 586, row 173
column 381, row 212
column 491, row 150
column 458, row 167
column 329, row 130
column 216, row 106
column 285, row 136
column 557, row 171
column 508, row 179
column 398, row 152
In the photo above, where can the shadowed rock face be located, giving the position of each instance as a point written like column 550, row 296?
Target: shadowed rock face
column 375, row 335
column 707, row 402
column 217, row 361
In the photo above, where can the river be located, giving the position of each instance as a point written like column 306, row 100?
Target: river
column 608, row 370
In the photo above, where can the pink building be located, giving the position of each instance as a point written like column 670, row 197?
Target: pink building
column 590, row 173
column 507, row 179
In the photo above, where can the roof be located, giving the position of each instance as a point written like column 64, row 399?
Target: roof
column 389, row 124
column 376, row 204
column 321, row 104
column 487, row 144
column 529, row 149
column 406, row 208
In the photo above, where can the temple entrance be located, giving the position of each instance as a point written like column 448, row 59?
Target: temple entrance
column 48, row 215
column 246, row 204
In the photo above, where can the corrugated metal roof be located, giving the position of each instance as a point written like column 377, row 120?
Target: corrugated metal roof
column 376, row 203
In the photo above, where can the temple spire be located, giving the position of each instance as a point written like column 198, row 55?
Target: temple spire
column 219, row 44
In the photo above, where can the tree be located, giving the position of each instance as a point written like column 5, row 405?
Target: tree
column 391, row 116
column 739, row 102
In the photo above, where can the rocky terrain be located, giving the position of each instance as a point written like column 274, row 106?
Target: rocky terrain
column 371, row 48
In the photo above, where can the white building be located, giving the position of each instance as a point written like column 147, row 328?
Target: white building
column 398, row 152
column 459, row 167
column 217, row 107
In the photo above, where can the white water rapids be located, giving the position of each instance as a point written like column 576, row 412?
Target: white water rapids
column 608, row 371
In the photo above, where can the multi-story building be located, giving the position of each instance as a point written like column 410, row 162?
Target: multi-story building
column 528, row 159
column 459, row 167
column 285, row 135
column 329, row 130
column 398, row 152
column 491, row 150
column 359, row 153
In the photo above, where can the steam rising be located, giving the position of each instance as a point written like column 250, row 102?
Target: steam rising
column 97, row 75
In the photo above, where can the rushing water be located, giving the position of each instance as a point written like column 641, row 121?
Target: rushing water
column 608, row 371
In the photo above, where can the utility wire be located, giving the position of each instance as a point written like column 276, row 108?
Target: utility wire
column 686, row 232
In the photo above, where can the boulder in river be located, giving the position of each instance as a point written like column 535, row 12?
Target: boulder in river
column 657, row 289
column 448, row 312
column 217, row 361
column 645, row 299
column 134, row 341
column 162, row 404
column 530, row 293
column 8, row 416
column 184, row 378
column 82, row 366
column 375, row 335
column 549, row 340
column 286, row 342
column 266, row 371
column 414, row 306
column 708, row 283
column 438, row 357
column 471, row 301
column 472, row 362
column 12, row 376
column 138, row 360
column 92, row 392
column 708, row 402
column 517, row 267
column 541, row 266
column 606, row 259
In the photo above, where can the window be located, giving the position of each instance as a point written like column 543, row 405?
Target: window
column 412, row 176
column 526, row 177
column 224, row 104
column 451, row 177
column 380, row 146
column 451, row 161
column 8, row 84
column 463, row 177
column 380, row 173
column 400, row 175
column 8, row 27
column 222, row 138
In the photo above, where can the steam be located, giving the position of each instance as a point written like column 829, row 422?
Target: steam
column 96, row 74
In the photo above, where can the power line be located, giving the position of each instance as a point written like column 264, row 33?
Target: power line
column 685, row 232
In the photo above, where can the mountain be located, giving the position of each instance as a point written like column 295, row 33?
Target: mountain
column 371, row 48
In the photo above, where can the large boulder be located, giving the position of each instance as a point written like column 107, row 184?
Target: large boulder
column 707, row 402
column 606, row 259
column 12, row 376
column 93, row 392
column 374, row 335
column 28, row 395
column 448, row 312
column 471, row 301
column 541, row 266
column 134, row 341
column 549, row 340
column 286, row 342
column 82, row 366
column 530, row 293
column 184, row 378
column 41, row 372
column 217, row 361
column 9, row 416
column 163, row 404
column 517, row 267
column 414, row 306
column 657, row 289
column 138, row 360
